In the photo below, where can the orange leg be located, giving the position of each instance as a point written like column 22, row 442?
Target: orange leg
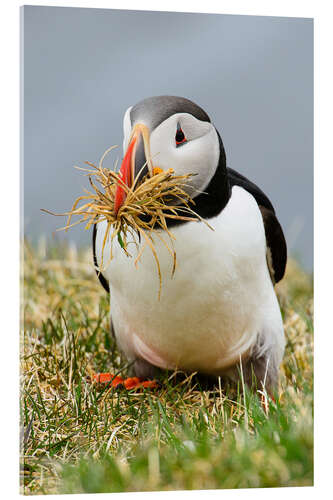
column 128, row 383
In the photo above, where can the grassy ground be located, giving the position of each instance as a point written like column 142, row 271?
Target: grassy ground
column 77, row 437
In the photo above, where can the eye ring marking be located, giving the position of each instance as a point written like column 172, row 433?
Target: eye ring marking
column 180, row 136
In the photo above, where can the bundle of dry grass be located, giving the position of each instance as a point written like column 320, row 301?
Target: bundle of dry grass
column 148, row 204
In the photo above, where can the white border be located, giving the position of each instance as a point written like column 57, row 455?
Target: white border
column 322, row 12
column 282, row 8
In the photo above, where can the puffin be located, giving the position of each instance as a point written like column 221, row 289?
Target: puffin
column 218, row 314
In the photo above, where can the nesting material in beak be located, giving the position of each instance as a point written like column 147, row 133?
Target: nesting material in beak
column 139, row 199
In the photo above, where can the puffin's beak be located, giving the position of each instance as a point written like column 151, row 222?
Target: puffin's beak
column 136, row 163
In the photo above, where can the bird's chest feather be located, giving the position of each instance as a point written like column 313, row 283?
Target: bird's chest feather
column 211, row 309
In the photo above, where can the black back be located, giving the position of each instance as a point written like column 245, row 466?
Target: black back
column 275, row 240
column 236, row 179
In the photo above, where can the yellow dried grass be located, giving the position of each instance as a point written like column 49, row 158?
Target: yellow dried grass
column 147, row 206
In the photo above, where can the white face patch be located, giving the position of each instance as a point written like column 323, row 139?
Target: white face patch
column 199, row 155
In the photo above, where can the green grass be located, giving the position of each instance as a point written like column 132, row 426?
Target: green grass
column 77, row 437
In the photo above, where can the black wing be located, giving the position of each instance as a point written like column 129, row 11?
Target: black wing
column 101, row 278
column 275, row 240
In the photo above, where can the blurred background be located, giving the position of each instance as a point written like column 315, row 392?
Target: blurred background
column 82, row 68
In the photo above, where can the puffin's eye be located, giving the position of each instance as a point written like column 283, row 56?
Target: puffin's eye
column 180, row 137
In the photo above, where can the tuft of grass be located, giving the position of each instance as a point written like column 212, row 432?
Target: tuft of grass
column 77, row 437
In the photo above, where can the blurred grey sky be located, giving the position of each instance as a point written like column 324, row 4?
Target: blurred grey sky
column 84, row 67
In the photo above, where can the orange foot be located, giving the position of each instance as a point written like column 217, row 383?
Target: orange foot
column 128, row 383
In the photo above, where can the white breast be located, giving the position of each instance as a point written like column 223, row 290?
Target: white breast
column 212, row 309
